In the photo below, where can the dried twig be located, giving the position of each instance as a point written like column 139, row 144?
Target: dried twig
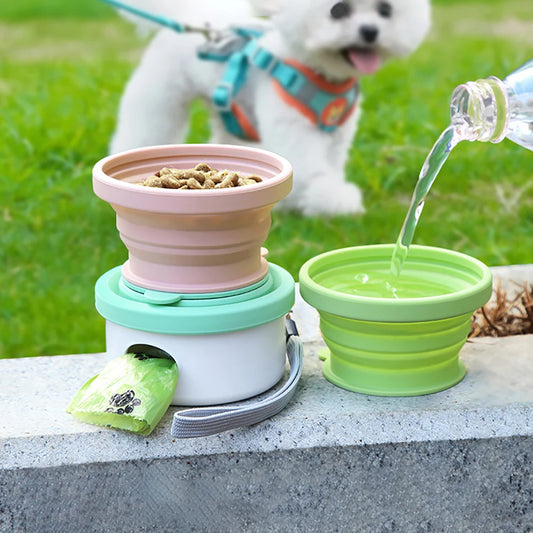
column 504, row 316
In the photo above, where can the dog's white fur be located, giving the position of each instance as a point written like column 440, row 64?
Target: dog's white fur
column 154, row 106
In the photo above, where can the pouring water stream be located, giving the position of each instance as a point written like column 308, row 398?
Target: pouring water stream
column 486, row 110
column 450, row 137
column 389, row 284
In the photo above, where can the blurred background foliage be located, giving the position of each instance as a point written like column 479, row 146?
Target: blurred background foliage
column 63, row 66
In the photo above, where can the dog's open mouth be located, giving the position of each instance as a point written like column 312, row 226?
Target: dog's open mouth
column 365, row 60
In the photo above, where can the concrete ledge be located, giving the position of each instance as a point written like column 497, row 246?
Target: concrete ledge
column 494, row 400
column 458, row 486
column 458, row 460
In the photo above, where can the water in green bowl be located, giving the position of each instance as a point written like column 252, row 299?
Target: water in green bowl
column 382, row 284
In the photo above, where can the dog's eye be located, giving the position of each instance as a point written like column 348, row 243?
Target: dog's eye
column 384, row 9
column 340, row 10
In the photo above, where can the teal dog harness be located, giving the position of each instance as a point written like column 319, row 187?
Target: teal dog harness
column 325, row 104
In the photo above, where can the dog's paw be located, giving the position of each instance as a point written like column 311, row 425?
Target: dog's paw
column 326, row 198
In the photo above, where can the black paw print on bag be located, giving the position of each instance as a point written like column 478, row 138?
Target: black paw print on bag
column 123, row 403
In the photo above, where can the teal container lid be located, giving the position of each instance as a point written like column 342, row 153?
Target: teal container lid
column 133, row 307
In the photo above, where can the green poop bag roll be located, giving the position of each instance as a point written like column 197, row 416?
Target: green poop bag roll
column 132, row 392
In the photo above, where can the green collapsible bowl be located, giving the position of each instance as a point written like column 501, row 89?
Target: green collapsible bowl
column 390, row 346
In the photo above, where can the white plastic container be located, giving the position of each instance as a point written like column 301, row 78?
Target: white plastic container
column 228, row 345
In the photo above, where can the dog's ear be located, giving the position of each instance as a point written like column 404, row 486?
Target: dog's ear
column 266, row 8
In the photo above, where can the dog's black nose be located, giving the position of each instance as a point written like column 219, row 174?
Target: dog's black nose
column 369, row 33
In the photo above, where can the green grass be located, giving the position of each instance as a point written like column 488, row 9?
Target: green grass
column 63, row 66
column 23, row 10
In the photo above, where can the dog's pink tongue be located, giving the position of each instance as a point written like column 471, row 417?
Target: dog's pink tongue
column 366, row 62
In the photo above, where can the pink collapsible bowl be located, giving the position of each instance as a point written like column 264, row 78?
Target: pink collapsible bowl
column 193, row 241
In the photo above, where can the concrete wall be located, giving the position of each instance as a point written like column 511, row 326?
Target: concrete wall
column 462, row 486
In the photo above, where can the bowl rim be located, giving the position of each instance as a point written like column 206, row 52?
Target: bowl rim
column 128, row 194
column 421, row 309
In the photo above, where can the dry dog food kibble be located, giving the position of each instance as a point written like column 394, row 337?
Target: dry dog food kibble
column 199, row 177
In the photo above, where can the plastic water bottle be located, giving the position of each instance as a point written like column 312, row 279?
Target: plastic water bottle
column 482, row 110
column 491, row 109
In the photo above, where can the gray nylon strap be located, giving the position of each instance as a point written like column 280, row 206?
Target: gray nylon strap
column 203, row 421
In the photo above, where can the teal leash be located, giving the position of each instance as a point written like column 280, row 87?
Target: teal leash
column 208, row 33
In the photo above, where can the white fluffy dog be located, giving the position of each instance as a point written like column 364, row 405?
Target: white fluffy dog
column 301, row 100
